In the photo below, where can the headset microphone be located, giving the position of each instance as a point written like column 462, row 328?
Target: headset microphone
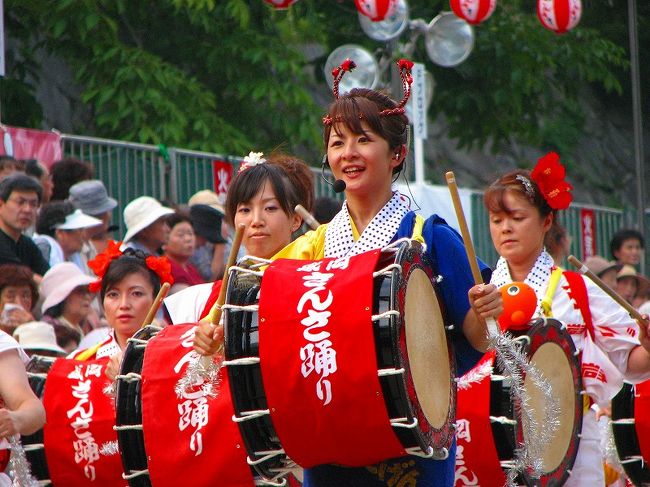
column 338, row 186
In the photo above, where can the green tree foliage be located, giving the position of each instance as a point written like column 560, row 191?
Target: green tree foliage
column 209, row 75
column 232, row 75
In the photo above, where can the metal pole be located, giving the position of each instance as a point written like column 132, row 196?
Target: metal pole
column 637, row 119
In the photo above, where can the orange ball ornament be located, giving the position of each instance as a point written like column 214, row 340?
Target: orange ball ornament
column 519, row 305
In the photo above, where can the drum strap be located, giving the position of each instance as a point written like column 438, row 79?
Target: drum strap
column 547, row 301
column 89, row 352
column 417, row 229
column 579, row 294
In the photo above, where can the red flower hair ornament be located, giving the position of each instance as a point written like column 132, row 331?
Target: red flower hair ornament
column 549, row 175
column 99, row 265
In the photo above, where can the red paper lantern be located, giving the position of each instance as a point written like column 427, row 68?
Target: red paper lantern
column 473, row 11
column 376, row 10
column 281, row 4
column 559, row 15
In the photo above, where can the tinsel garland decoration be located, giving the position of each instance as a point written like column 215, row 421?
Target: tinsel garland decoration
column 19, row 469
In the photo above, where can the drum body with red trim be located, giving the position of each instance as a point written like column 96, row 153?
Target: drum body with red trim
column 631, row 430
column 37, row 369
column 77, row 445
column 166, row 439
column 380, row 330
column 488, row 426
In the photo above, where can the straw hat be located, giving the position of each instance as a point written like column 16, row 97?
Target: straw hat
column 642, row 283
column 60, row 281
column 141, row 213
column 37, row 335
column 207, row 197
column 91, row 197
column 599, row 265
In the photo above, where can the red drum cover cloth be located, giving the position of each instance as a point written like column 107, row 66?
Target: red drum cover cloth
column 477, row 462
column 642, row 417
column 5, row 454
column 80, row 420
column 318, row 362
column 193, row 437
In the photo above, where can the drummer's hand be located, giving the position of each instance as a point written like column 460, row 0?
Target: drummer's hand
column 486, row 301
column 644, row 332
column 113, row 367
column 8, row 425
column 604, row 411
column 208, row 338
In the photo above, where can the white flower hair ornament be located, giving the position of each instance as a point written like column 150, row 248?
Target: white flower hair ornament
column 252, row 159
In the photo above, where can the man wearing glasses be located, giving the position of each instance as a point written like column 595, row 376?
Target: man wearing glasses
column 20, row 197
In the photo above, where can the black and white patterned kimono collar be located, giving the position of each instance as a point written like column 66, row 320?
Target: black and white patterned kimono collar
column 339, row 241
column 537, row 278
column 109, row 347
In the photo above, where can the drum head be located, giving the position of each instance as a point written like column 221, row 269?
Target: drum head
column 552, row 352
column 425, row 350
column 426, row 341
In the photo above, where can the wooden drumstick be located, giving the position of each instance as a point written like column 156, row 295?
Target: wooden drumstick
column 164, row 289
column 493, row 329
column 214, row 316
column 307, row 217
column 583, row 269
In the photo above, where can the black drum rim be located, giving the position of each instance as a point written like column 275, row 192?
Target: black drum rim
column 128, row 409
column 412, row 257
column 626, row 438
column 38, row 461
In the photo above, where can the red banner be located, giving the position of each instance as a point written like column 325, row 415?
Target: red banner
column 477, row 462
column 318, row 361
column 31, row 144
column 80, row 420
column 588, row 231
column 642, row 417
column 192, row 436
column 222, row 173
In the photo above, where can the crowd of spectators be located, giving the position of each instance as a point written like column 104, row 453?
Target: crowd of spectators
column 52, row 222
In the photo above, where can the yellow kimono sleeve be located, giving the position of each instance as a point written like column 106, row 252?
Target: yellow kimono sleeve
column 310, row 246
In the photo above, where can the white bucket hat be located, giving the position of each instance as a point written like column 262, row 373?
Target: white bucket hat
column 60, row 281
column 37, row 335
column 141, row 213
column 76, row 220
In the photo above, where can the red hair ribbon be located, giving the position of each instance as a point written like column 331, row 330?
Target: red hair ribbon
column 549, row 175
column 162, row 267
column 99, row 265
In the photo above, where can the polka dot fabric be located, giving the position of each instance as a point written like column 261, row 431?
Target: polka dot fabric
column 339, row 241
column 537, row 278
